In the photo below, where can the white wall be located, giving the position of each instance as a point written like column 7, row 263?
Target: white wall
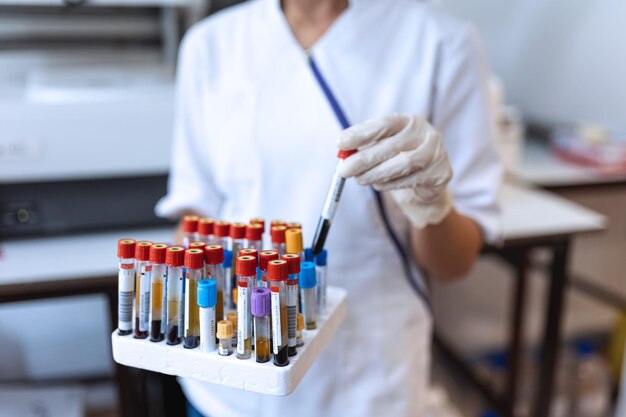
column 561, row 60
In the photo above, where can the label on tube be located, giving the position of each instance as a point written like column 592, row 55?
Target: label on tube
column 126, row 296
column 276, row 328
column 144, row 301
column 243, row 332
column 292, row 305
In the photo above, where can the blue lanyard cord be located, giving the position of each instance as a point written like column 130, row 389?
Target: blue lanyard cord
column 343, row 121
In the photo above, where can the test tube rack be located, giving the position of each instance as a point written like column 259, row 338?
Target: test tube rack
column 246, row 374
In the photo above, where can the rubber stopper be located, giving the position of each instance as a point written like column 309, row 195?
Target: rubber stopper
column 343, row 154
column 157, row 253
column 207, row 293
column 214, row 254
column 175, row 256
column 197, row 245
column 321, row 258
column 249, row 252
column 307, row 275
column 221, row 228
column 266, row 256
column 277, row 270
column 293, row 239
column 142, row 250
column 190, row 224
column 254, row 232
column 260, row 302
column 258, row 220
column 126, row 248
column 294, row 225
column 194, row 258
column 278, row 234
column 293, row 263
column 246, row 265
column 224, row 329
column 237, row 231
column 205, row 226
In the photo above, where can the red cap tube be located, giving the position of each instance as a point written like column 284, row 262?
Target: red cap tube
column 157, row 253
column 126, row 248
column 254, row 231
column 246, row 265
column 214, row 254
column 266, row 256
column 277, row 270
column 237, row 230
column 194, row 258
column 293, row 263
column 205, row 226
column 190, row 224
column 175, row 256
column 278, row 234
column 221, row 228
column 142, row 250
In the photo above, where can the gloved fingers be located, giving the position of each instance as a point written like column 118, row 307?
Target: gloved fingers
column 400, row 165
column 416, row 155
column 371, row 131
column 379, row 152
column 435, row 177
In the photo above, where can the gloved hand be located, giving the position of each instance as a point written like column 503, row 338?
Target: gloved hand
column 404, row 155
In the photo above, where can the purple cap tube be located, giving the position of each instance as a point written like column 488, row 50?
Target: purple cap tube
column 261, row 304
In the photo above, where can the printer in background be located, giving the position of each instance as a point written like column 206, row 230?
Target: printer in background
column 85, row 139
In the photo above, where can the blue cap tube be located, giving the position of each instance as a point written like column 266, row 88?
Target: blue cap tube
column 207, row 293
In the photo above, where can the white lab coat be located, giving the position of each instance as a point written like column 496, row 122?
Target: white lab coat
column 255, row 136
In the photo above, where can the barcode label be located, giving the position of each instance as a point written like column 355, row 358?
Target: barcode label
column 292, row 309
column 291, row 325
column 243, row 313
column 126, row 297
column 276, row 329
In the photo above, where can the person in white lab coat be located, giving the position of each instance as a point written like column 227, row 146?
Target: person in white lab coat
column 255, row 136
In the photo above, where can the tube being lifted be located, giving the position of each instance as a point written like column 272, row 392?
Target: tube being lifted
column 330, row 205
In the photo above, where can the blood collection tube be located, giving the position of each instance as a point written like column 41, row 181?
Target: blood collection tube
column 214, row 259
column 330, row 205
column 207, row 297
column 224, row 332
column 261, row 309
column 229, row 300
column 238, row 238
column 175, row 259
column 190, row 229
column 277, row 223
column 200, row 245
column 293, row 242
column 293, row 270
column 194, row 265
column 277, row 277
column 221, row 233
column 254, row 236
column 278, row 239
column 159, row 273
column 246, row 276
column 308, row 255
column 231, row 316
column 321, row 272
column 264, row 257
column 125, row 285
column 249, row 252
column 293, row 225
column 308, row 294
column 205, row 230
column 299, row 328
column 142, row 289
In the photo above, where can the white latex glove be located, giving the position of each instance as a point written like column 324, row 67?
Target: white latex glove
column 403, row 155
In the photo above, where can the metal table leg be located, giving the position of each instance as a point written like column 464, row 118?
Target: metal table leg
column 552, row 331
column 519, row 260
